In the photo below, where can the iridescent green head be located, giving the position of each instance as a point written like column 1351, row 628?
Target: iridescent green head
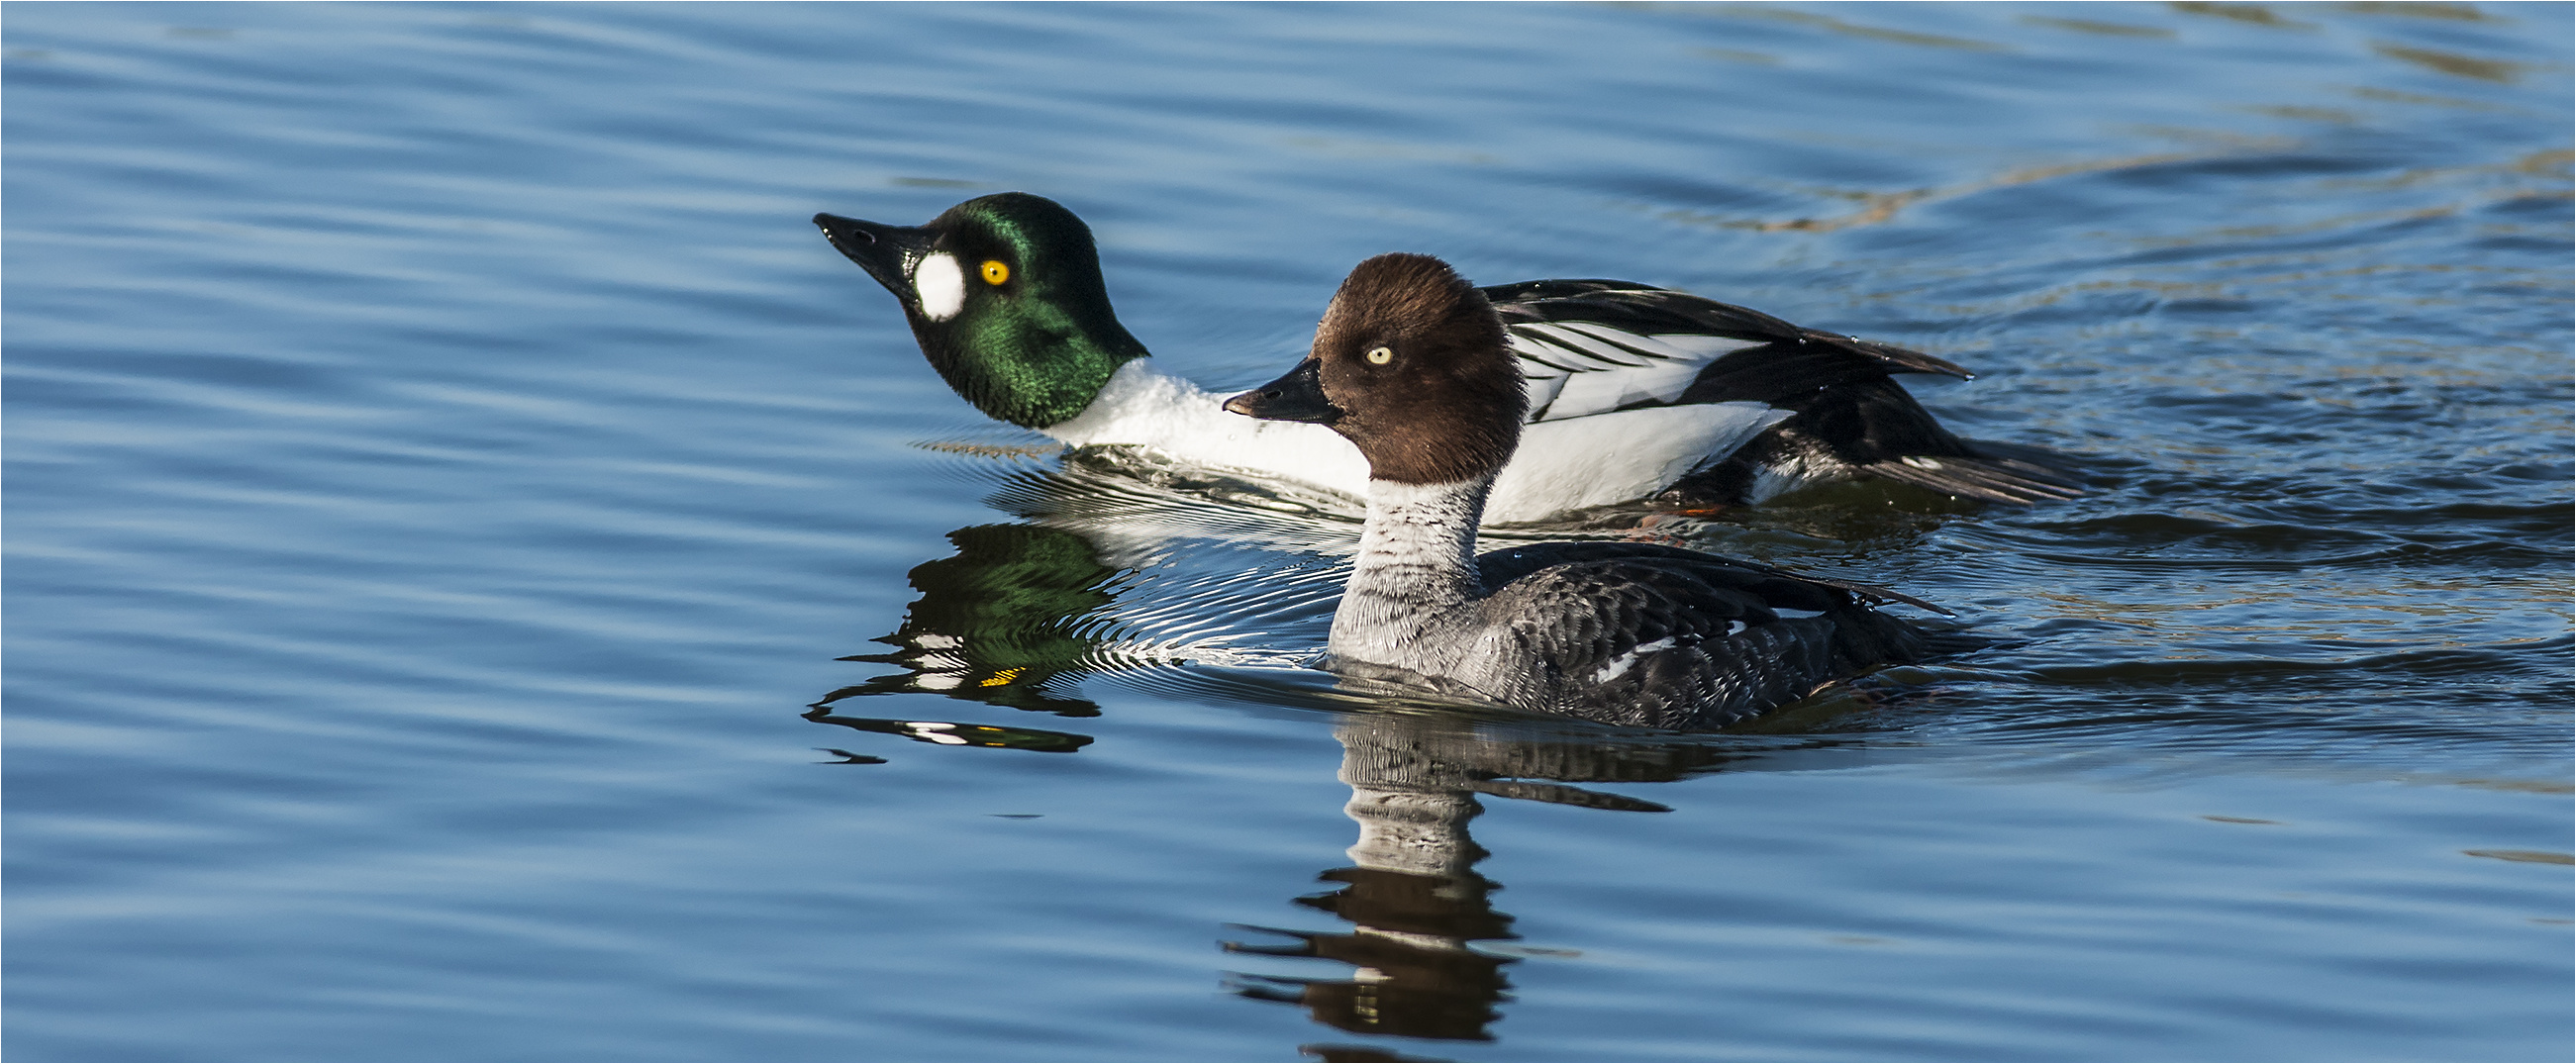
column 1005, row 296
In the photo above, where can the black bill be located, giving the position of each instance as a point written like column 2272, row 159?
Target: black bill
column 1299, row 396
column 887, row 252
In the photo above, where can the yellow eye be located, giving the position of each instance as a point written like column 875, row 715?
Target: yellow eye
column 995, row 271
column 1379, row 356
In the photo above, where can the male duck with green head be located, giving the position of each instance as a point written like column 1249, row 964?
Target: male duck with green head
column 1635, row 391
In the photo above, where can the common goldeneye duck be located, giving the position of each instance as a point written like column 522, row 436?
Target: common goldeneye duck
column 1636, row 391
column 1411, row 364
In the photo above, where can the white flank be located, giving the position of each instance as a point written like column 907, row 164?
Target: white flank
column 1607, row 458
column 1561, row 465
column 941, row 286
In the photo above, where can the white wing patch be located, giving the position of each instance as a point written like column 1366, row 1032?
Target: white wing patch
column 941, row 286
column 1621, row 664
column 1577, row 369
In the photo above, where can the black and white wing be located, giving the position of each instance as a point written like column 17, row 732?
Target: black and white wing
column 1592, row 347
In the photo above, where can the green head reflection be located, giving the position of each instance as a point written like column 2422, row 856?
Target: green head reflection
column 1014, row 612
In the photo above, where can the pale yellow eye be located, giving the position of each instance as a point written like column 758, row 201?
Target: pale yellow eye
column 996, row 271
column 1379, row 356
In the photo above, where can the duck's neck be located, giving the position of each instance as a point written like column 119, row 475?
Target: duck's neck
column 1415, row 571
column 1032, row 366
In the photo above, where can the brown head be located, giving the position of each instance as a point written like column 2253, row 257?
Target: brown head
column 1412, row 364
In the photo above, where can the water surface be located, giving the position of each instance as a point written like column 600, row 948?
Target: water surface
column 444, row 468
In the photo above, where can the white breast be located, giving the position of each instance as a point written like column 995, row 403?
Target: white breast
column 1145, row 407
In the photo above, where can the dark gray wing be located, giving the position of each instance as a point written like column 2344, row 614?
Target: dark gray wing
column 1668, row 638
column 1497, row 568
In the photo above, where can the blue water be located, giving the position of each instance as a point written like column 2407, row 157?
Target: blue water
column 443, row 466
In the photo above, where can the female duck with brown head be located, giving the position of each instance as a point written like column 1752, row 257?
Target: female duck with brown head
column 1411, row 363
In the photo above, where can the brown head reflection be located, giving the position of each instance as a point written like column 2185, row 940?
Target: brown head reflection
column 1416, row 906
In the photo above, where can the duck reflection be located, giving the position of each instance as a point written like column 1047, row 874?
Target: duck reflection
column 1021, row 610
column 1416, row 905
column 1001, row 622
column 1010, row 614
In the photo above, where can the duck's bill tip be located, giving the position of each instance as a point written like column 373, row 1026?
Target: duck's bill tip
column 1298, row 396
column 851, row 231
column 887, row 252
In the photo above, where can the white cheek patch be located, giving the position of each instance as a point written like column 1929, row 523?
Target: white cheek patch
column 941, row 286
